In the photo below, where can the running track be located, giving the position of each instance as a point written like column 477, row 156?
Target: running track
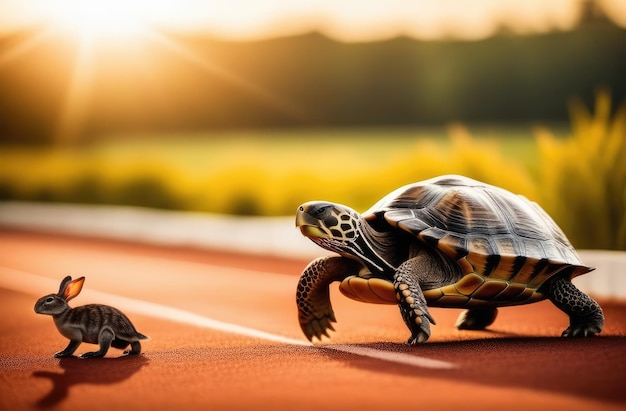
column 224, row 335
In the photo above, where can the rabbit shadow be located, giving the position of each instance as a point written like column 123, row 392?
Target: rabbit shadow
column 81, row 371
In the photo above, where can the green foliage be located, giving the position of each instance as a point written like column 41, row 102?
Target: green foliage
column 258, row 174
column 479, row 158
column 583, row 177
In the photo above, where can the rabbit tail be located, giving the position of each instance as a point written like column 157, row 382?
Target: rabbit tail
column 140, row 336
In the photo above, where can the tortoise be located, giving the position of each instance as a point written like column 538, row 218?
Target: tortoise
column 449, row 241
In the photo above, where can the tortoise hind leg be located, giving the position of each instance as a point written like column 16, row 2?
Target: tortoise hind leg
column 586, row 317
column 476, row 318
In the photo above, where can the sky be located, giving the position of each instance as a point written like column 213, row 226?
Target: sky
column 347, row 20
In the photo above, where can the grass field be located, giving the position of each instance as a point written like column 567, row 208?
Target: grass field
column 256, row 172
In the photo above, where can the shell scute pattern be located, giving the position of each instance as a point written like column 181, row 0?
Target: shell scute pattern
column 506, row 240
column 469, row 284
column 512, row 291
column 490, row 289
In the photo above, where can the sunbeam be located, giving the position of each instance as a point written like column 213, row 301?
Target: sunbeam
column 279, row 103
column 93, row 58
column 76, row 102
column 23, row 47
column 96, row 82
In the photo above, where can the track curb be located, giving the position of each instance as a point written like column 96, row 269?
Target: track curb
column 274, row 236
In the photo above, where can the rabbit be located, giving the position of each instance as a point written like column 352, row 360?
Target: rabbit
column 92, row 323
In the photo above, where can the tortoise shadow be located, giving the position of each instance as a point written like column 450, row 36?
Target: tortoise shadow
column 87, row 371
column 588, row 368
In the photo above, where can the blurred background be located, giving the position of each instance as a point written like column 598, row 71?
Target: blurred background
column 251, row 108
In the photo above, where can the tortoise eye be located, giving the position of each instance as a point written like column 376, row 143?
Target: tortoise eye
column 320, row 212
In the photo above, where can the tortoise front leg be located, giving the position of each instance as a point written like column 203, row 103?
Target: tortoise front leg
column 315, row 312
column 411, row 301
column 586, row 316
column 425, row 271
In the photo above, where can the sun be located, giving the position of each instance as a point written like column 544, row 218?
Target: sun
column 101, row 19
column 106, row 19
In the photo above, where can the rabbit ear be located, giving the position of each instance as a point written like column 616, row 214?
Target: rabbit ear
column 64, row 284
column 73, row 288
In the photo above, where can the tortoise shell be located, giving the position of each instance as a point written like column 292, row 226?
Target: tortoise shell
column 506, row 245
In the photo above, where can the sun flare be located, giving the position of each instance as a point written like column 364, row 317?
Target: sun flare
column 98, row 19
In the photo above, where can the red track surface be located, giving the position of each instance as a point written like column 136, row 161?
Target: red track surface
column 519, row 364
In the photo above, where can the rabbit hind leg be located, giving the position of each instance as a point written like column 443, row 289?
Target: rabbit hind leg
column 105, row 339
column 119, row 343
column 135, row 348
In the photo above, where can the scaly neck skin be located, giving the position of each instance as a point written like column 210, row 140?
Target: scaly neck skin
column 381, row 249
column 391, row 249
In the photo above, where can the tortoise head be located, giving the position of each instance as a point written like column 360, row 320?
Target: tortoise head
column 338, row 228
column 329, row 221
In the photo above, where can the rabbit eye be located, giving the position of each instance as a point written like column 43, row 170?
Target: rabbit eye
column 49, row 299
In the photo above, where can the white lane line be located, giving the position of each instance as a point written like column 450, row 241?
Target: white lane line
column 29, row 283
column 391, row 356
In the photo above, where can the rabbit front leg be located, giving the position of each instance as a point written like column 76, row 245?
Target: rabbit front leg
column 105, row 338
column 69, row 350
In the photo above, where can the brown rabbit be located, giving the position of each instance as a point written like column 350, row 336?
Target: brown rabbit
column 92, row 323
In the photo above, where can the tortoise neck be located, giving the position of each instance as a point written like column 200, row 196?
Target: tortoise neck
column 380, row 247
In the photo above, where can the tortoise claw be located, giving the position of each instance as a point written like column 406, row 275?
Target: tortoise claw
column 420, row 338
column 421, row 331
column 317, row 328
column 581, row 331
